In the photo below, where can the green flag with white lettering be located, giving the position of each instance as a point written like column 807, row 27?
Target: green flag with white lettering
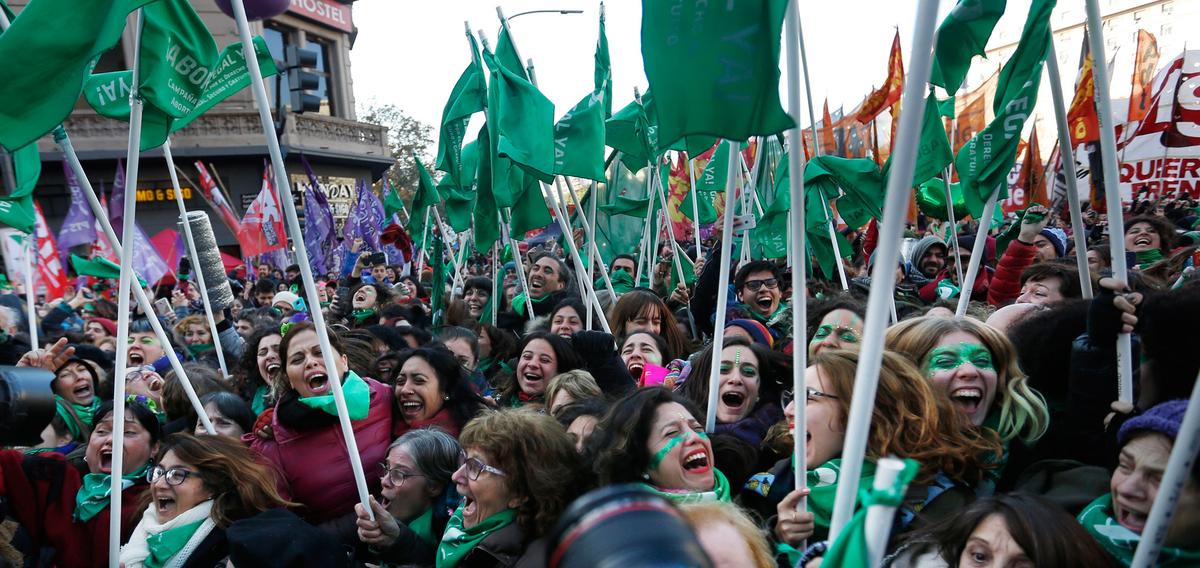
column 714, row 67
column 579, row 139
column 177, row 55
column 963, row 35
column 984, row 162
column 467, row 98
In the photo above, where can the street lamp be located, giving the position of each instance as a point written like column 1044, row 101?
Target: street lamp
column 546, row 12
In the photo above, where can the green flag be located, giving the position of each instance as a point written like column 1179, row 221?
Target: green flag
column 771, row 234
column 426, row 197
column 933, row 153
column 816, row 231
column 16, row 208
column 487, row 224
column 616, row 234
column 46, row 55
column 467, row 98
column 459, row 202
column 731, row 88
column 506, row 54
column 963, row 35
column 392, row 204
column 622, row 205
column 630, row 132
column 99, row 267
column 984, row 162
column 946, row 107
column 849, row 548
column 715, row 175
column 603, row 70
column 579, row 139
column 522, row 131
column 859, row 181
column 177, row 54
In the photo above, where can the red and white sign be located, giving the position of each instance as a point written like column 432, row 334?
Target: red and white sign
column 50, row 272
column 1161, row 153
column 329, row 12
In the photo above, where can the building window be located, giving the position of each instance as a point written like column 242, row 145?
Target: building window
column 325, row 87
column 278, row 39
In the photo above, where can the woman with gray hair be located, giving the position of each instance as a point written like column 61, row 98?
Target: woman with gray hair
column 416, row 499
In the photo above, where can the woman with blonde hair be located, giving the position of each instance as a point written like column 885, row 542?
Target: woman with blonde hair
column 570, row 387
column 727, row 535
column 976, row 366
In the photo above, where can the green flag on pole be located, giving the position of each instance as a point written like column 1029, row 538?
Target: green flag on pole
column 714, row 67
column 459, row 202
column 579, row 139
column 46, row 55
column 392, row 204
column 933, row 153
column 963, row 35
column 426, row 197
column 487, row 224
column 16, row 208
column 467, row 98
column 603, row 72
column 177, row 54
column 522, row 131
column 984, row 162
column 506, row 54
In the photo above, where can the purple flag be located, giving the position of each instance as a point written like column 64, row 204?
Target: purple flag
column 146, row 260
column 116, row 202
column 318, row 229
column 365, row 219
column 79, row 228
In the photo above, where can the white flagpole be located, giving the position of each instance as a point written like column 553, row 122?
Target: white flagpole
column 139, row 294
column 1066, row 153
column 883, row 284
column 191, row 244
column 1112, row 190
column 837, row 253
column 953, row 237
column 589, row 293
column 519, row 261
column 30, row 293
column 310, row 287
column 794, row 35
column 1183, row 456
column 494, row 298
column 691, row 166
column 590, row 232
column 662, row 200
column 967, row 284
column 714, row 378
column 421, row 247
column 878, row 525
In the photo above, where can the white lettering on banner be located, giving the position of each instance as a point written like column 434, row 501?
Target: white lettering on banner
column 326, row 12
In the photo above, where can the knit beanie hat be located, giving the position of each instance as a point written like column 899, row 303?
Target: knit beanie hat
column 1165, row 418
column 285, row 296
column 109, row 325
column 1058, row 238
column 758, row 332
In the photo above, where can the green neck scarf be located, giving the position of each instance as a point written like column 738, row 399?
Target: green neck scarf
column 622, row 282
column 458, row 542
column 1121, row 542
column 720, row 492
column 822, row 483
column 521, row 301
column 93, row 495
column 198, row 349
column 165, row 545
column 259, row 403
column 85, row 413
column 422, row 526
column 360, row 315
column 1145, row 257
column 356, row 392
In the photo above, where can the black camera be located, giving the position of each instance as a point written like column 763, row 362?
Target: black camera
column 623, row 526
column 26, row 405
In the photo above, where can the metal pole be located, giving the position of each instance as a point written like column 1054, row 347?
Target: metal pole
column 968, row 284
column 953, row 223
column 714, row 378
column 837, row 253
column 883, row 283
column 590, row 231
column 520, row 263
column 1067, row 153
column 691, row 166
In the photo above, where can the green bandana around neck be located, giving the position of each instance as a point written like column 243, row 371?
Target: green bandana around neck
column 356, row 392
column 362, row 314
column 458, row 541
column 165, row 545
column 198, row 349
column 720, row 492
column 850, row 547
column 422, row 526
column 1146, row 257
column 86, row 413
column 259, row 402
column 822, row 482
column 1097, row 518
column 622, row 282
column 93, row 495
column 952, row 357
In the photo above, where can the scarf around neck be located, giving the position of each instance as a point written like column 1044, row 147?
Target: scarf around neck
column 1148, row 257
column 719, row 492
column 822, row 483
column 360, row 315
column 457, row 542
column 94, row 493
column 1098, row 520
column 198, row 349
column 356, row 392
column 86, row 413
column 170, row 544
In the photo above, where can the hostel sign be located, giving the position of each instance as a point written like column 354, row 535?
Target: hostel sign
column 329, row 12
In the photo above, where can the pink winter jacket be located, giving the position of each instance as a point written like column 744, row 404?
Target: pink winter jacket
column 312, row 468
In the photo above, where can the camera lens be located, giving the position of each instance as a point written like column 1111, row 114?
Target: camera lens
column 26, row 405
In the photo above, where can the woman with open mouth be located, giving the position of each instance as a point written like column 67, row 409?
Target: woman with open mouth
column 305, row 430
column 568, row 317
column 519, row 471
column 908, row 421
column 432, row 389
column 653, row 437
column 1116, row 520
column 477, row 292
column 642, row 348
column 72, row 519
column 75, row 384
column 641, row 309
column 1149, row 239
column 975, row 366
column 416, row 499
column 748, row 400
column 258, row 378
column 366, row 301
column 542, row 356
column 198, row 487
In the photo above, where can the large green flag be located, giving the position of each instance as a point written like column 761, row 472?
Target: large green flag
column 522, row 131
column 426, row 197
column 617, row 234
column 460, row 201
column 467, row 98
column 771, row 233
column 46, row 55
column 603, row 71
column 487, row 224
column 963, row 35
column 16, row 208
column 579, row 139
column 854, row 182
column 506, row 54
column 177, row 54
column 984, row 162
column 630, row 132
column 933, row 153
column 714, row 67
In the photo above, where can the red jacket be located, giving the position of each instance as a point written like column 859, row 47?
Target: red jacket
column 312, row 467
column 928, row 292
column 1005, row 286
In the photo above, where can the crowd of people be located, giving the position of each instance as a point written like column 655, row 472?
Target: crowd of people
column 481, row 417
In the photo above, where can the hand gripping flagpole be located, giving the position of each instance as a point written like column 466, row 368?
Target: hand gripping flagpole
column 191, row 244
column 799, row 278
column 1066, row 154
column 1183, row 457
column 866, row 379
column 714, row 378
column 139, row 294
column 1112, row 190
column 310, row 287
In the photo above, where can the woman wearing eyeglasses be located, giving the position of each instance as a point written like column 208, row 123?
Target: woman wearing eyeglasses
column 416, row 500
column 519, row 472
column 908, row 421
column 198, row 487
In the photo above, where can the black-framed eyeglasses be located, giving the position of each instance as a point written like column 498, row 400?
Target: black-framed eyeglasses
column 475, row 467
column 396, row 475
column 811, row 394
column 756, row 285
column 175, row 476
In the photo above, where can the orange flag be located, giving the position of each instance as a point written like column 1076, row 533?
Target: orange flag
column 1144, row 63
column 893, row 86
column 1082, row 121
column 828, row 144
column 1033, row 174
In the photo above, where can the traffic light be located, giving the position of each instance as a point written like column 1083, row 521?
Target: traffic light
column 302, row 79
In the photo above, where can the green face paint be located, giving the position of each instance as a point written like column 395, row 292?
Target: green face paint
column 662, row 453
column 951, row 357
column 844, row 334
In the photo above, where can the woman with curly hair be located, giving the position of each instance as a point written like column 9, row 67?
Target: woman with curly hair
column 976, row 367
column 257, row 377
column 432, row 389
column 519, row 472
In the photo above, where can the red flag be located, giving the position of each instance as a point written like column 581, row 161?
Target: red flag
column 50, row 271
column 1033, row 174
column 262, row 228
column 216, row 199
column 1082, row 121
column 893, row 86
column 679, row 184
column 1144, row 63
